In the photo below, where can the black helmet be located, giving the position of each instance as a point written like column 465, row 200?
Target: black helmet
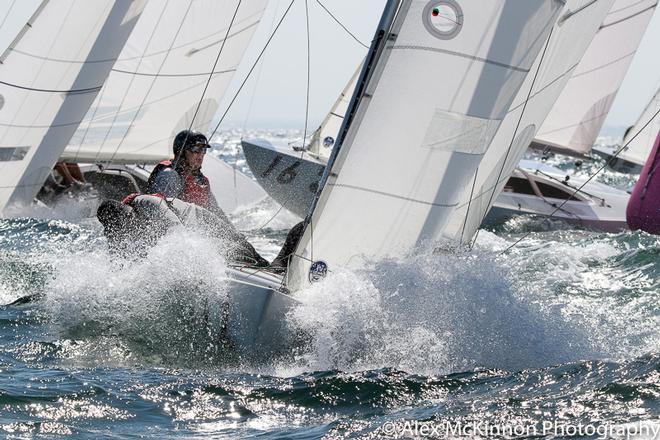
column 188, row 139
column 114, row 216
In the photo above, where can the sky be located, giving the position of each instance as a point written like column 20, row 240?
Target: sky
column 275, row 94
column 277, row 98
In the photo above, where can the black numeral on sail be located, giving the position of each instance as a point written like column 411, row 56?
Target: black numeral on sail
column 288, row 174
column 272, row 166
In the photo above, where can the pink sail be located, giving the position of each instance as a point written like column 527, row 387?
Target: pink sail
column 643, row 210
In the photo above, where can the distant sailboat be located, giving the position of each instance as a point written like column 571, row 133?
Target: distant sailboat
column 577, row 117
column 638, row 140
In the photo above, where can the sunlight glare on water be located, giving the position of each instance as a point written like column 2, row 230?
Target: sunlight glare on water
column 564, row 327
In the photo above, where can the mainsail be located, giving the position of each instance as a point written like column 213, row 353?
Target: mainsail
column 437, row 83
column 552, row 69
column 49, row 77
column 641, row 136
column 580, row 111
column 158, row 85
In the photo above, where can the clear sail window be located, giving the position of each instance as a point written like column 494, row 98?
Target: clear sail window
column 443, row 18
column 9, row 154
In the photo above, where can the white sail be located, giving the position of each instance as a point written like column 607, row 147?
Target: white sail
column 639, row 148
column 569, row 40
column 13, row 16
column 49, row 77
column 578, row 115
column 325, row 136
column 157, row 83
column 447, row 76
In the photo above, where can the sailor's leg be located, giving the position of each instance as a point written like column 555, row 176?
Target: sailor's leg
column 238, row 249
column 289, row 247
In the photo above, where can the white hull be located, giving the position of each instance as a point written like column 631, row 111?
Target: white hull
column 597, row 206
column 256, row 319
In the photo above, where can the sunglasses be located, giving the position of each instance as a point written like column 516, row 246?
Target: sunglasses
column 198, row 149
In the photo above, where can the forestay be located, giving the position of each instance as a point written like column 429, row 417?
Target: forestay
column 447, row 76
column 156, row 86
column 639, row 147
column 578, row 116
column 49, row 77
column 569, row 40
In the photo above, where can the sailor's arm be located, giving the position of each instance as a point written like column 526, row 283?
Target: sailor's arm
column 168, row 183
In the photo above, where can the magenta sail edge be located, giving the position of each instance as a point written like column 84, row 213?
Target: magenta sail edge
column 643, row 212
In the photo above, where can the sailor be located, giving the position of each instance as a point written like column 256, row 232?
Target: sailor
column 182, row 178
column 135, row 225
column 180, row 195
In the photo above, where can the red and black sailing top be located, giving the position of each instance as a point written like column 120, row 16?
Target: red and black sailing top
column 191, row 187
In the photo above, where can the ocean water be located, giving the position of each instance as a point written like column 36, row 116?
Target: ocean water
column 559, row 338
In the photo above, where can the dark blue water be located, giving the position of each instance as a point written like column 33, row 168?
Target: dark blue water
column 560, row 338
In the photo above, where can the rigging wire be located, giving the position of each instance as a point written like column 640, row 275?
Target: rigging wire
column 366, row 46
column 307, row 93
column 515, row 132
column 208, row 82
column 607, row 162
column 215, row 64
column 11, row 6
column 248, row 114
column 254, row 65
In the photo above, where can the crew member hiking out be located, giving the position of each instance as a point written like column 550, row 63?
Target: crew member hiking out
column 179, row 194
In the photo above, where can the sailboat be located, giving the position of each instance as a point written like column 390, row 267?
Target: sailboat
column 448, row 83
column 443, row 136
column 49, row 77
column 146, row 70
column 642, row 212
column 291, row 177
column 638, row 141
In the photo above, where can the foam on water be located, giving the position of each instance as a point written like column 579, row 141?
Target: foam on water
column 557, row 298
column 433, row 314
column 154, row 309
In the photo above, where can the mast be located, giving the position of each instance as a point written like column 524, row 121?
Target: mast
column 375, row 52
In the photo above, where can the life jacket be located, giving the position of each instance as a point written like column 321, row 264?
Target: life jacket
column 196, row 188
column 128, row 200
